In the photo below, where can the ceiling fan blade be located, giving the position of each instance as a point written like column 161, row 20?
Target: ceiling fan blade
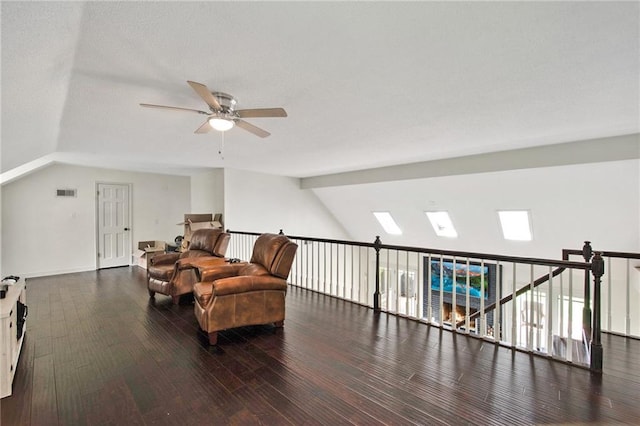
column 253, row 129
column 205, row 128
column 175, row 108
column 205, row 94
column 261, row 112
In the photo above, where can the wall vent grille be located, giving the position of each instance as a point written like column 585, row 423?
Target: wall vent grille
column 65, row 192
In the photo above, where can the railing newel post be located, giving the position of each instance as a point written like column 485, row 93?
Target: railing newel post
column 377, row 245
column 587, row 253
column 597, row 268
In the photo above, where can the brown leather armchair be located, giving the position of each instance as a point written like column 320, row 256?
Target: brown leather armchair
column 241, row 294
column 173, row 275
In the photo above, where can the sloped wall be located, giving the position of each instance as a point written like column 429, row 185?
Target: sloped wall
column 568, row 204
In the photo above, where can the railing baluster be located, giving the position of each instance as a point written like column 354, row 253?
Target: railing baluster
column 429, row 292
column 315, row 266
column 467, row 300
column 454, row 296
column 356, row 274
column 408, row 287
column 561, row 314
column 514, row 323
column 332, row 268
column 529, row 308
column 628, row 300
column 397, row 282
column 549, row 322
column 441, row 320
column 569, row 353
column 538, row 320
column 483, row 318
column 496, row 316
column 344, row 272
column 376, row 306
column 316, row 272
column 324, row 268
column 310, row 266
column 419, row 288
column 609, row 289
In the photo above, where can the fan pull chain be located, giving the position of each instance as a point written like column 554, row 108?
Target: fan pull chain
column 221, row 150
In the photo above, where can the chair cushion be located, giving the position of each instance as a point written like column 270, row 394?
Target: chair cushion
column 204, row 239
column 266, row 247
column 275, row 253
column 253, row 269
column 248, row 283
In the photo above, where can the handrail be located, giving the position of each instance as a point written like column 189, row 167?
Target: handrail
column 312, row 239
column 616, row 254
column 451, row 253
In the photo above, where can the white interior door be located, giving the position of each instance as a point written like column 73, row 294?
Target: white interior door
column 114, row 234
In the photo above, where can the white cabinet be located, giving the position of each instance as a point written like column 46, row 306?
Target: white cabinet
column 12, row 327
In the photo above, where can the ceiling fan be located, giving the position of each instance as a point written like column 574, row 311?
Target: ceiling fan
column 223, row 115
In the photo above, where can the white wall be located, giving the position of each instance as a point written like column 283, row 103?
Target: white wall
column 257, row 202
column 568, row 204
column 207, row 192
column 44, row 235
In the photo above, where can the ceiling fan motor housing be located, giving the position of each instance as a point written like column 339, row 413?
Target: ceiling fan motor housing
column 226, row 101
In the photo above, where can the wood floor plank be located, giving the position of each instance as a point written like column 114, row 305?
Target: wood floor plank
column 44, row 404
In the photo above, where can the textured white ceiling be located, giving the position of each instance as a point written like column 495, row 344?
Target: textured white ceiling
column 366, row 84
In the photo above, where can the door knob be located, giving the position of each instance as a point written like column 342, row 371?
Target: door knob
column 127, row 229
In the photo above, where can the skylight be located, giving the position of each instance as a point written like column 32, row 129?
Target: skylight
column 515, row 225
column 442, row 224
column 386, row 220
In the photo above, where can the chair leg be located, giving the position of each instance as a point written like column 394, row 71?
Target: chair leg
column 213, row 338
column 279, row 324
column 175, row 299
column 151, row 292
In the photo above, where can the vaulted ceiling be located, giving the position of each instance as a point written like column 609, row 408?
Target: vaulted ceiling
column 365, row 84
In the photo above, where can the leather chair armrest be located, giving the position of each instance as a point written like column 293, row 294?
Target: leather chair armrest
column 164, row 259
column 197, row 262
column 245, row 283
column 220, row 272
column 202, row 292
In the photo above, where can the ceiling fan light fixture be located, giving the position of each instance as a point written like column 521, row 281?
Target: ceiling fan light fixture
column 221, row 124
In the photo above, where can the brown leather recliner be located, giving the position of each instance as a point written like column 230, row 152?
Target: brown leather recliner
column 241, row 294
column 173, row 275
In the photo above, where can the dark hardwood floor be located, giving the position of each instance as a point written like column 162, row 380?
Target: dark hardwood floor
column 98, row 351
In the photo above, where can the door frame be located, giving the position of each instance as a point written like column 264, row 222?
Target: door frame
column 97, row 219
